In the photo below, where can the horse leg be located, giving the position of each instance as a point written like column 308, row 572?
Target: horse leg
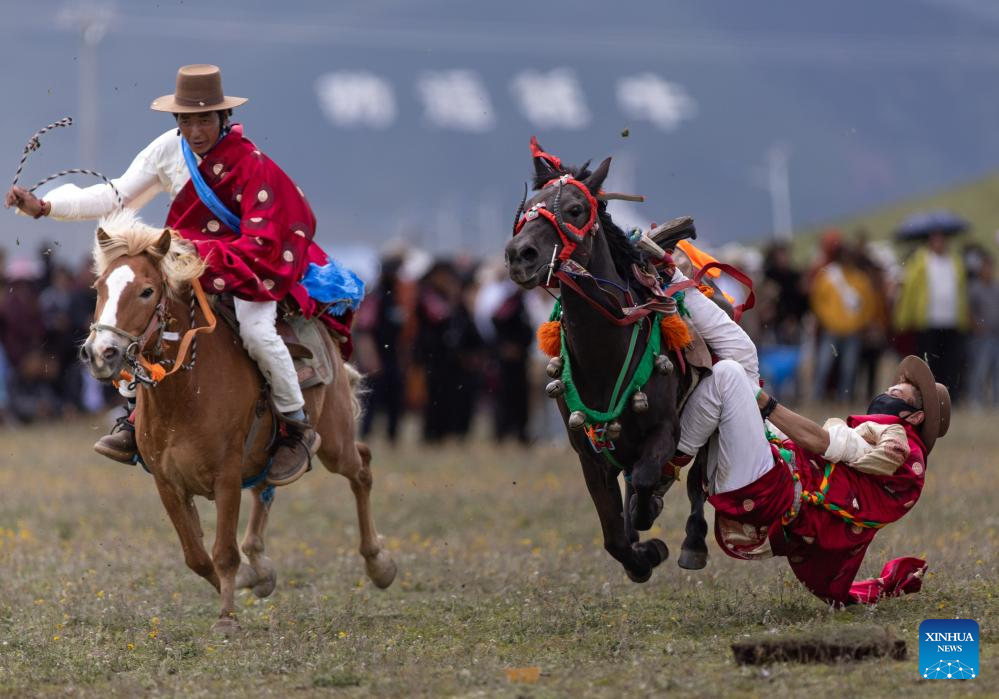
column 184, row 517
column 694, row 549
column 225, row 552
column 638, row 559
column 257, row 572
column 354, row 464
column 645, row 506
column 629, row 527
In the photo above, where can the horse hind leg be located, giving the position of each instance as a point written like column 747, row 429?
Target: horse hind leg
column 257, row 570
column 354, row 464
column 694, row 549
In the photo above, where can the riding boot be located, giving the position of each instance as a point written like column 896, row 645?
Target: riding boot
column 119, row 444
column 293, row 456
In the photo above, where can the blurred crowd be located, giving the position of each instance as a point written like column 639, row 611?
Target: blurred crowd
column 826, row 330
column 448, row 340
column 45, row 311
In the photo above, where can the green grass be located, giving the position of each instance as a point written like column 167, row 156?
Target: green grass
column 501, row 566
column 976, row 201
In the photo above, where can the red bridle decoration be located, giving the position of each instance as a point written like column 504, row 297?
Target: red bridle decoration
column 571, row 235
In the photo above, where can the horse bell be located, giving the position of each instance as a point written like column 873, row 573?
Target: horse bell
column 554, row 369
column 613, row 430
column 577, row 419
column 663, row 364
column 555, row 389
column 639, row 402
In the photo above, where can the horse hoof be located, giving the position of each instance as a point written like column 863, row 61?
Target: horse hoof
column 661, row 550
column 246, row 576
column 265, row 585
column 638, row 578
column 692, row 560
column 226, row 626
column 381, row 569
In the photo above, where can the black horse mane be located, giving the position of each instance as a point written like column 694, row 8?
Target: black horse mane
column 623, row 252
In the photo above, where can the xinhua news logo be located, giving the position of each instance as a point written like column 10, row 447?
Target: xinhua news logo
column 948, row 649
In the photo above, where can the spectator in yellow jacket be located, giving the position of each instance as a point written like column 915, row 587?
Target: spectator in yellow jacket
column 933, row 303
column 843, row 301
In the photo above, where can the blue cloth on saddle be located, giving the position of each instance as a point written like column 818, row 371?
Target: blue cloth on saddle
column 333, row 283
column 205, row 192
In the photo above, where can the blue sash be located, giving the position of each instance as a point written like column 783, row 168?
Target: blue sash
column 205, row 193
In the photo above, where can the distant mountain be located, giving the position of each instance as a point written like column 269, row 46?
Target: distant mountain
column 412, row 120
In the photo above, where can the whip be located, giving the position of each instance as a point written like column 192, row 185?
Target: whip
column 34, row 143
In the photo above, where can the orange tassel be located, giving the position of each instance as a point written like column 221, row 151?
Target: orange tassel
column 676, row 335
column 706, row 290
column 550, row 338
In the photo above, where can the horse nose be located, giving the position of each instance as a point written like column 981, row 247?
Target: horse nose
column 521, row 252
column 110, row 353
column 84, row 353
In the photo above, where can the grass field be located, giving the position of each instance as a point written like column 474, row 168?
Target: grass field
column 501, row 568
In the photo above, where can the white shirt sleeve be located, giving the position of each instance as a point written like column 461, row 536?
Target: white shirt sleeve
column 140, row 183
column 845, row 444
column 724, row 337
column 869, row 447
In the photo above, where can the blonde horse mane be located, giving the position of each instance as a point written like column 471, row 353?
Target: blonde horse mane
column 129, row 236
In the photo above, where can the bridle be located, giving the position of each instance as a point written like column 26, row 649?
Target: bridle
column 570, row 235
column 149, row 373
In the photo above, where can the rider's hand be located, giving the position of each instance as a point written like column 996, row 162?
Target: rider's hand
column 25, row 201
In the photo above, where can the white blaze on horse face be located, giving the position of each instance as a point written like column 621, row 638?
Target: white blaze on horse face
column 115, row 283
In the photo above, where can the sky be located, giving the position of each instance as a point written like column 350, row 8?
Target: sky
column 411, row 121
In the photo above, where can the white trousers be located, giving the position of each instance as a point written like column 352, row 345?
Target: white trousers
column 722, row 413
column 725, row 402
column 260, row 338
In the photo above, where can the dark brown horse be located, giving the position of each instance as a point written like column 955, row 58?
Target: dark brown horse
column 564, row 226
column 195, row 429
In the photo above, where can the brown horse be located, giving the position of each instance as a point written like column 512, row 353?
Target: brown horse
column 197, row 430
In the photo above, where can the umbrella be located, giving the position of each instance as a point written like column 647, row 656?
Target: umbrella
column 921, row 225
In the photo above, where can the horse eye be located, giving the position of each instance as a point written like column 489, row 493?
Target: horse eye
column 576, row 210
column 147, row 292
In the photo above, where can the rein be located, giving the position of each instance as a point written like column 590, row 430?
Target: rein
column 151, row 373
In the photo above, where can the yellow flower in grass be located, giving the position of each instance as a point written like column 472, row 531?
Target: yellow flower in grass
column 56, row 638
column 100, row 594
column 130, row 646
column 154, row 633
column 342, row 634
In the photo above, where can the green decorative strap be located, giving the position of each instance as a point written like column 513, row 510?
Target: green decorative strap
column 681, row 307
column 641, row 376
column 556, row 310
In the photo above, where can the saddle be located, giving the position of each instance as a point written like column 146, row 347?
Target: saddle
column 303, row 337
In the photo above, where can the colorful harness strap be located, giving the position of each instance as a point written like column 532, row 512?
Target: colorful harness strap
column 817, row 498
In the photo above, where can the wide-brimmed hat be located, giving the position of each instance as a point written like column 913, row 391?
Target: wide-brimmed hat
column 199, row 89
column 936, row 399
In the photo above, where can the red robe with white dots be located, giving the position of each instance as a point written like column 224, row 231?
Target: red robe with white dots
column 825, row 550
column 266, row 262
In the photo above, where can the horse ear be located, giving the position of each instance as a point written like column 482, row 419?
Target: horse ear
column 545, row 164
column 596, row 180
column 102, row 236
column 163, row 244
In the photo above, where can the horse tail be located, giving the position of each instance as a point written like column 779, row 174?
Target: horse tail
column 357, row 389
